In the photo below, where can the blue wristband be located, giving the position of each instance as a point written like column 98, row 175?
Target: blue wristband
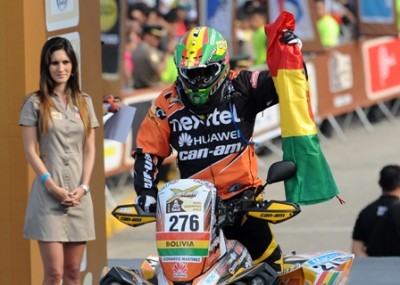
column 108, row 106
column 44, row 177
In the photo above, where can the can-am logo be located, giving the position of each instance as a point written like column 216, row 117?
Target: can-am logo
column 62, row 4
column 216, row 118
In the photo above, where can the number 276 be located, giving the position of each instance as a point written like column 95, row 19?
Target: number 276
column 180, row 222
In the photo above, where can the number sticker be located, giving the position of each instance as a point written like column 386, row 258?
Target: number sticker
column 184, row 223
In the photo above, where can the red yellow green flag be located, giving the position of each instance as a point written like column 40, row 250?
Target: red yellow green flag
column 313, row 182
column 183, row 243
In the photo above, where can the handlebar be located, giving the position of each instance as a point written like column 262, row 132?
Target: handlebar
column 232, row 211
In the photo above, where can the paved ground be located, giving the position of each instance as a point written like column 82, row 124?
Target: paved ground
column 355, row 164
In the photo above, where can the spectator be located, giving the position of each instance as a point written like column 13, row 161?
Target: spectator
column 138, row 15
column 139, row 12
column 258, row 19
column 131, row 42
column 182, row 9
column 345, row 11
column 328, row 28
column 244, row 33
column 370, row 219
column 174, row 22
column 150, row 62
column 58, row 124
column 154, row 17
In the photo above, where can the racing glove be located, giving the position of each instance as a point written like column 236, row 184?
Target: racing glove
column 147, row 202
column 290, row 38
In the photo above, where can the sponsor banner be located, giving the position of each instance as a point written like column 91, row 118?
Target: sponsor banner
column 110, row 25
column 382, row 67
column 377, row 18
column 61, row 14
column 340, row 80
column 312, row 85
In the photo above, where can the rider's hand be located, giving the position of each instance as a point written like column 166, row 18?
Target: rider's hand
column 147, row 202
column 290, row 38
column 113, row 104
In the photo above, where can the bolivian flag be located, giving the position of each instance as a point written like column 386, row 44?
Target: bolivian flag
column 313, row 182
column 183, row 243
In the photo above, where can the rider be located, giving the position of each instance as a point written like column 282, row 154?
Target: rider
column 207, row 116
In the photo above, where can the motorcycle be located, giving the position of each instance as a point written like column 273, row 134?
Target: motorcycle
column 191, row 245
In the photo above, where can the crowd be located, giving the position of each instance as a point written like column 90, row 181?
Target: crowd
column 151, row 36
column 152, row 32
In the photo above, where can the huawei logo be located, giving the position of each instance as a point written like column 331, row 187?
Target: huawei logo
column 62, row 4
column 184, row 138
column 180, row 269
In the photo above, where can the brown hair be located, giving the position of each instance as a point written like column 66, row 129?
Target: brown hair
column 47, row 84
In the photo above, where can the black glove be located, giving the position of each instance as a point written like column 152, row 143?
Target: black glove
column 147, row 202
column 290, row 38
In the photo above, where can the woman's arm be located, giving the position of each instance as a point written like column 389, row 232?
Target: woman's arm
column 30, row 141
column 89, row 149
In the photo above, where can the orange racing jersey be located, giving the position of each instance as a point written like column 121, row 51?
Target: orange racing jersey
column 216, row 146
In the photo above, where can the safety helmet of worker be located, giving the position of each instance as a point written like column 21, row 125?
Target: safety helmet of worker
column 202, row 59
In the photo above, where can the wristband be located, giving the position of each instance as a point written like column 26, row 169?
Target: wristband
column 44, row 177
column 111, row 108
column 108, row 105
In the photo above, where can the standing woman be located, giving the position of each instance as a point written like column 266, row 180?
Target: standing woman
column 60, row 120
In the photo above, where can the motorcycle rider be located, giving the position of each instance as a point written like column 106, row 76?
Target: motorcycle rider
column 207, row 116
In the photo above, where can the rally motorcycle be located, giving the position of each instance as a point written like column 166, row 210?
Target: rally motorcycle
column 191, row 245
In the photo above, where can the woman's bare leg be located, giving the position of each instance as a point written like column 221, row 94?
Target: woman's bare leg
column 73, row 254
column 53, row 262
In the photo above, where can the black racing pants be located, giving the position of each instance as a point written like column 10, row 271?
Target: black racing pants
column 256, row 236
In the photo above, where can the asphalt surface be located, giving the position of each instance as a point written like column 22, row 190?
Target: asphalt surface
column 355, row 160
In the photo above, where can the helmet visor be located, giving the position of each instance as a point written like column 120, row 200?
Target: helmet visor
column 202, row 76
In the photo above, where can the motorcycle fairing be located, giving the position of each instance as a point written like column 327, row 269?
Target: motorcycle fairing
column 274, row 211
column 132, row 215
column 186, row 233
column 326, row 267
column 235, row 259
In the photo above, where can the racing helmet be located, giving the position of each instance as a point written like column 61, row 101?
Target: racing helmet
column 201, row 57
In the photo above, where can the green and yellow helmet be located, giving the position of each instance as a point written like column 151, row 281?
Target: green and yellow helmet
column 202, row 59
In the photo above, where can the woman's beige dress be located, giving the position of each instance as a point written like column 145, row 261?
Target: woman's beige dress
column 61, row 151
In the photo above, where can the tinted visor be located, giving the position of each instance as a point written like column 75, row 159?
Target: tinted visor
column 202, row 75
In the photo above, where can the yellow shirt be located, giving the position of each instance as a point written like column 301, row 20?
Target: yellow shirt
column 329, row 31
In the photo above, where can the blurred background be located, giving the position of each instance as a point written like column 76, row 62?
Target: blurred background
column 351, row 53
